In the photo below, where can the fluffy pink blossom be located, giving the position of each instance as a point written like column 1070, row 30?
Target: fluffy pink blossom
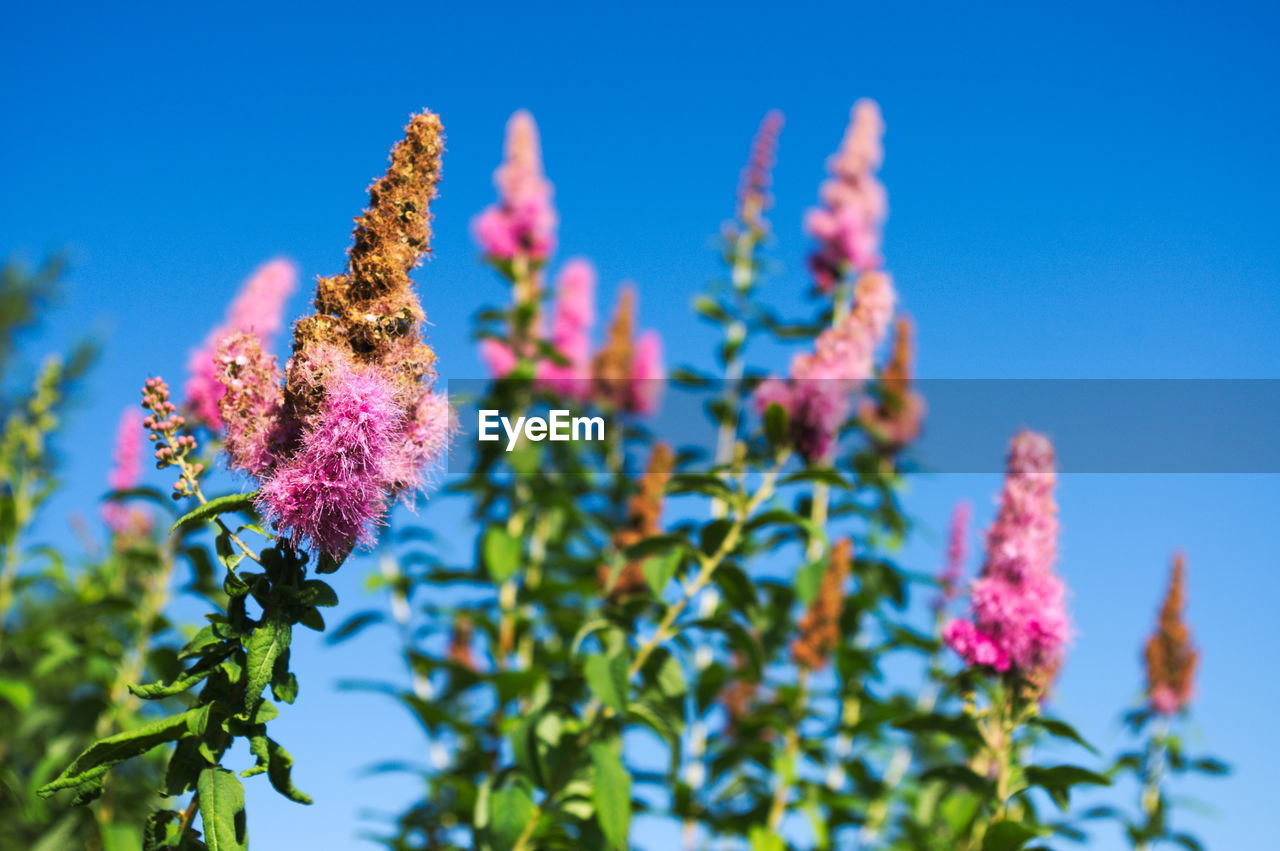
column 333, row 490
column 874, row 301
column 957, row 553
column 848, row 226
column 524, row 219
column 647, row 373
column 571, row 321
column 258, row 307
column 126, row 473
column 426, row 438
column 1019, row 603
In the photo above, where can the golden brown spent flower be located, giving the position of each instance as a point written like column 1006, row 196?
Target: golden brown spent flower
column 1170, row 656
column 370, row 313
column 611, row 370
column 644, row 520
column 460, row 643
column 820, row 626
column 894, row 421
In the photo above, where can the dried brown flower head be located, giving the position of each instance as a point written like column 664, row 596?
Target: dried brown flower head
column 370, row 313
column 460, row 643
column 894, row 421
column 1170, row 656
column 612, row 369
column 644, row 520
column 820, row 626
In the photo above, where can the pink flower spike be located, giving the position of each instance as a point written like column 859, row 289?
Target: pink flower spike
column 425, row 441
column 1019, row 603
column 498, row 357
column 957, row 553
column 126, row 473
column 848, row 226
column 524, row 219
column 571, row 322
column 648, row 373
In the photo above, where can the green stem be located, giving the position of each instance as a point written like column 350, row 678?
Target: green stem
column 791, row 750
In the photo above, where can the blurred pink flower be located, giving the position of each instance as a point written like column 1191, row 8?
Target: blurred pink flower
column 258, row 307
column 648, row 373
column 848, row 226
column 426, row 438
column 126, row 474
column 1019, row 603
column 498, row 357
column 524, row 219
column 571, row 320
column 957, row 553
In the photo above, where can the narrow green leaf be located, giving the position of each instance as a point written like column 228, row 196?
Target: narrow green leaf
column 1062, row 730
column 510, row 810
column 280, row 773
column 99, row 758
column 222, row 810
column 213, row 508
column 264, row 645
column 612, row 794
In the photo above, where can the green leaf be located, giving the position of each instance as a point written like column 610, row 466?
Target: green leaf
column 501, row 551
column 510, row 809
column 99, row 758
column 823, row 475
column 1008, row 836
column 263, row 647
column 1209, row 765
column 670, row 679
column 1063, row 776
column 659, row 570
column 1062, row 730
column 195, row 674
column 222, row 810
column 18, row 693
column 316, row 592
column 213, row 508
column 809, row 579
column 612, row 794
column 280, row 773
column 776, row 427
column 607, row 677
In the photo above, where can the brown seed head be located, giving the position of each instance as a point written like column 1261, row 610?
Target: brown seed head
column 644, row 520
column 1171, row 658
column 820, row 626
column 611, row 370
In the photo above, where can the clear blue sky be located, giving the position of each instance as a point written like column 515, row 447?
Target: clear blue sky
column 1085, row 192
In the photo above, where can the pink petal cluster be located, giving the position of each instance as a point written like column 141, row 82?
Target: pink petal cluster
column 426, row 437
column 1019, row 604
column 126, row 473
column 848, row 226
column 523, row 222
column 572, row 318
column 957, row 553
column 258, row 307
column 257, row 435
column 333, row 488
column 818, row 395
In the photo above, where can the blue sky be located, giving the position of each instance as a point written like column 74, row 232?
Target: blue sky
column 1079, row 192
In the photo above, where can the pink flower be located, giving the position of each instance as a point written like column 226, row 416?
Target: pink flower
column 571, row 322
column 874, row 300
column 257, row 434
column 647, row 373
column 957, row 553
column 426, row 438
column 524, row 219
column 333, row 491
column 126, row 474
column 848, row 225
column 498, row 357
column 258, row 307
column 1019, row 603
column 818, row 397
